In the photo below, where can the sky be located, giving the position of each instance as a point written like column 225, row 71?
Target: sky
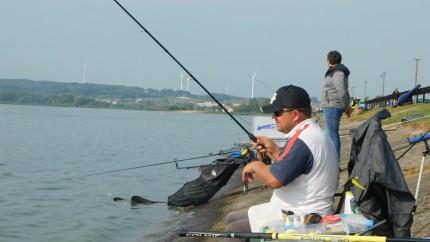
column 222, row 43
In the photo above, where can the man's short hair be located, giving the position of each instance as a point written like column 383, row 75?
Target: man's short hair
column 334, row 57
column 307, row 112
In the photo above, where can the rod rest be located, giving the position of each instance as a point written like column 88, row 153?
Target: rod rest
column 420, row 137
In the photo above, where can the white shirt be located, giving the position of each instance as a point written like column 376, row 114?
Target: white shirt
column 308, row 169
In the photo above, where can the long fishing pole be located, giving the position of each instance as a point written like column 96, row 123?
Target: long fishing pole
column 296, row 237
column 149, row 165
column 250, row 135
column 237, row 116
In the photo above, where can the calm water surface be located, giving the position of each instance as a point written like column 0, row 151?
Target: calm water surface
column 41, row 147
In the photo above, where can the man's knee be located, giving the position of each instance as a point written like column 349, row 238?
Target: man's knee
column 239, row 226
column 229, row 218
column 236, row 215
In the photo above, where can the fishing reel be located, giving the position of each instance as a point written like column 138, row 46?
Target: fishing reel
column 244, row 153
column 249, row 155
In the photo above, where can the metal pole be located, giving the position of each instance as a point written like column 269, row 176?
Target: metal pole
column 365, row 89
column 416, row 77
column 416, row 71
column 252, row 85
column 383, row 87
column 417, row 191
column 383, row 83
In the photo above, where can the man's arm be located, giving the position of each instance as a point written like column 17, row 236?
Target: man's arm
column 262, row 171
column 342, row 91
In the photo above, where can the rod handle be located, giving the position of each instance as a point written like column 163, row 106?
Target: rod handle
column 254, row 139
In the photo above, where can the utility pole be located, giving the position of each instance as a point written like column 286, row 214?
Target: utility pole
column 365, row 89
column 383, row 81
column 416, row 77
column 416, row 71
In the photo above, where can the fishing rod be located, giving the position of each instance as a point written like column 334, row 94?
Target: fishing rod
column 250, row 135
column 149, row 165
column 296, row 237
column 237, row 116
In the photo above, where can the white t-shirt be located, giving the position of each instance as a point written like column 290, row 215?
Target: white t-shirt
column 308, row 168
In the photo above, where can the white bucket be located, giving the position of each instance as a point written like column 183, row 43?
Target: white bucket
column 266, row 215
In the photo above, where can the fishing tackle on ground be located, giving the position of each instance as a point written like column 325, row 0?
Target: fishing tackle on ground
column 209, row 182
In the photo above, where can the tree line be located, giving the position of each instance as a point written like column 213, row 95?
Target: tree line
column 30, row 92
column 99, row 91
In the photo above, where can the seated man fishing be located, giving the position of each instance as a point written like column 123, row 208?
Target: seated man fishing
column 305, row 174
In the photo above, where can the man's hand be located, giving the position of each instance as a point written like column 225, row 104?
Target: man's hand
column 348, row 112
column 247, row 173
column 262, row 171
column 265, row 144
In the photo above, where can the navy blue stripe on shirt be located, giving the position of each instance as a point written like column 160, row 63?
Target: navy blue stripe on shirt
column 298, row 161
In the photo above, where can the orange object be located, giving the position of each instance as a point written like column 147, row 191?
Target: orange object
column 331, row 218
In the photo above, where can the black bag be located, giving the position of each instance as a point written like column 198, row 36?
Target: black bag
column 211, row 180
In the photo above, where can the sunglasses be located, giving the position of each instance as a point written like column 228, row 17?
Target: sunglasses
column 280, row 112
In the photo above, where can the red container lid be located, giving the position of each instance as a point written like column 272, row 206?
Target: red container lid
column 331, row 218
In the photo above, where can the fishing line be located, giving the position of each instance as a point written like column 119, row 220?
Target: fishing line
column 250, row 135
column 261, row 82
column 155, row 164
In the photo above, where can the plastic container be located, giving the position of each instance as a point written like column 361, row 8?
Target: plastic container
column 294, row 224
column 356, row 224
column 315, row 228
column 265, row 215
column 334, row 225
column 350, row 206
column 354, row 206
column 272, row 227
column 347, row 205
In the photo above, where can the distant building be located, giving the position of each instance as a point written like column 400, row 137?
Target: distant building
column 207, row 104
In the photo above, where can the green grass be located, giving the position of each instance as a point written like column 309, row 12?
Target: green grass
column 397, row 114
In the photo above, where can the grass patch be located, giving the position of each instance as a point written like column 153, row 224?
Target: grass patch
column 397, row 115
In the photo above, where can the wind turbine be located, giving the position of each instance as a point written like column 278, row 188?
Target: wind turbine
column 182, row 77
column 85, row 70
column 252, row 86
column 188, row 82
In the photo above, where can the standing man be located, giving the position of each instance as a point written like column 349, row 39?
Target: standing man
column 395, row 96
column 305, row 174
column 335, row 96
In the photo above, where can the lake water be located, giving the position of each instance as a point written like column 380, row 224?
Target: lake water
column 41, row 147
